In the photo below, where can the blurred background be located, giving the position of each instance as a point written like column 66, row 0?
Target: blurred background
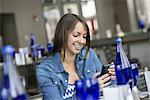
column 20, row 18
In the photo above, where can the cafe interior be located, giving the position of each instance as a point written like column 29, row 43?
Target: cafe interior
column 106, row 19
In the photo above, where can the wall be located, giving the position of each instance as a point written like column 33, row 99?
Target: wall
column 121, row 15
column 148, row 10
column 8, row 32
column 141, row 51
column 110, row 13
column 105, row 16
column 24, row 11
column 0, row 5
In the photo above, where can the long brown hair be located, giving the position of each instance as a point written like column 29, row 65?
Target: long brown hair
column 64, row 27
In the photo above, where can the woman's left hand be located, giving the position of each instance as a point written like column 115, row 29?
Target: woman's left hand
column 111, row 71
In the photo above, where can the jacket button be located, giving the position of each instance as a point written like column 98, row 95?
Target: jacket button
column 56, row 82
column 66, row 81
column 88, row 70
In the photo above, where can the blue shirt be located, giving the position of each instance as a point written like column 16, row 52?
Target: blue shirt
column 52, row 78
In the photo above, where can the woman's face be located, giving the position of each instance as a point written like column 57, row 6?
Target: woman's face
column 76, row 39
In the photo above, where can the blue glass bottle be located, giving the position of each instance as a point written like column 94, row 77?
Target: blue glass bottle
column 33, row 45
column 49, row 47
column 11, row 88
column 80, row 90
column 87, row 89
column 135, row 73
column 92, row 89
column 122, row 65
column 141, row 24
column 4, row 88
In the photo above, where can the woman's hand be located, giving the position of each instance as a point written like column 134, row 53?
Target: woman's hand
column 104, row 80
column 111, row 71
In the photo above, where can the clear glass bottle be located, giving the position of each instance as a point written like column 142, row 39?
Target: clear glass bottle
column 119, row 31
column 11, row 88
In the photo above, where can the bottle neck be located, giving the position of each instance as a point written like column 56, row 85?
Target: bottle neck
column 123, row 58
column 8, row 62
column 119, row 46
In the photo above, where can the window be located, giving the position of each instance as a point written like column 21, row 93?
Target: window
column 54, row 9
column 51, row 16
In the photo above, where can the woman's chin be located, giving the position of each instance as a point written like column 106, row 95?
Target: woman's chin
column 76, row 51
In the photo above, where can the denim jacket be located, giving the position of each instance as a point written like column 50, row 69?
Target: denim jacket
column 52, row 78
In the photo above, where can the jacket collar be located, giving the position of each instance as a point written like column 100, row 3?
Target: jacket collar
column 58, row 63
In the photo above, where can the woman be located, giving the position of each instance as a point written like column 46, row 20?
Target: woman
column 72, row 59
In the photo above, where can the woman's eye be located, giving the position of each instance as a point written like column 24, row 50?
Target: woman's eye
column 75, row 35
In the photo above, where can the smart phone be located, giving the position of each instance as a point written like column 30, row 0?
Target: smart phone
column 104, row 70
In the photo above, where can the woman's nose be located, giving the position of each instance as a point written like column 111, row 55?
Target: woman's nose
column 81, row 40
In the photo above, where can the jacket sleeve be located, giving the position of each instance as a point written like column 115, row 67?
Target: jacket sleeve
column 98, row 64
column 49, row 86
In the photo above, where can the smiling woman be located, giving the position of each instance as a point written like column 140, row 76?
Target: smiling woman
column 71, row 59
column 77, row 38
